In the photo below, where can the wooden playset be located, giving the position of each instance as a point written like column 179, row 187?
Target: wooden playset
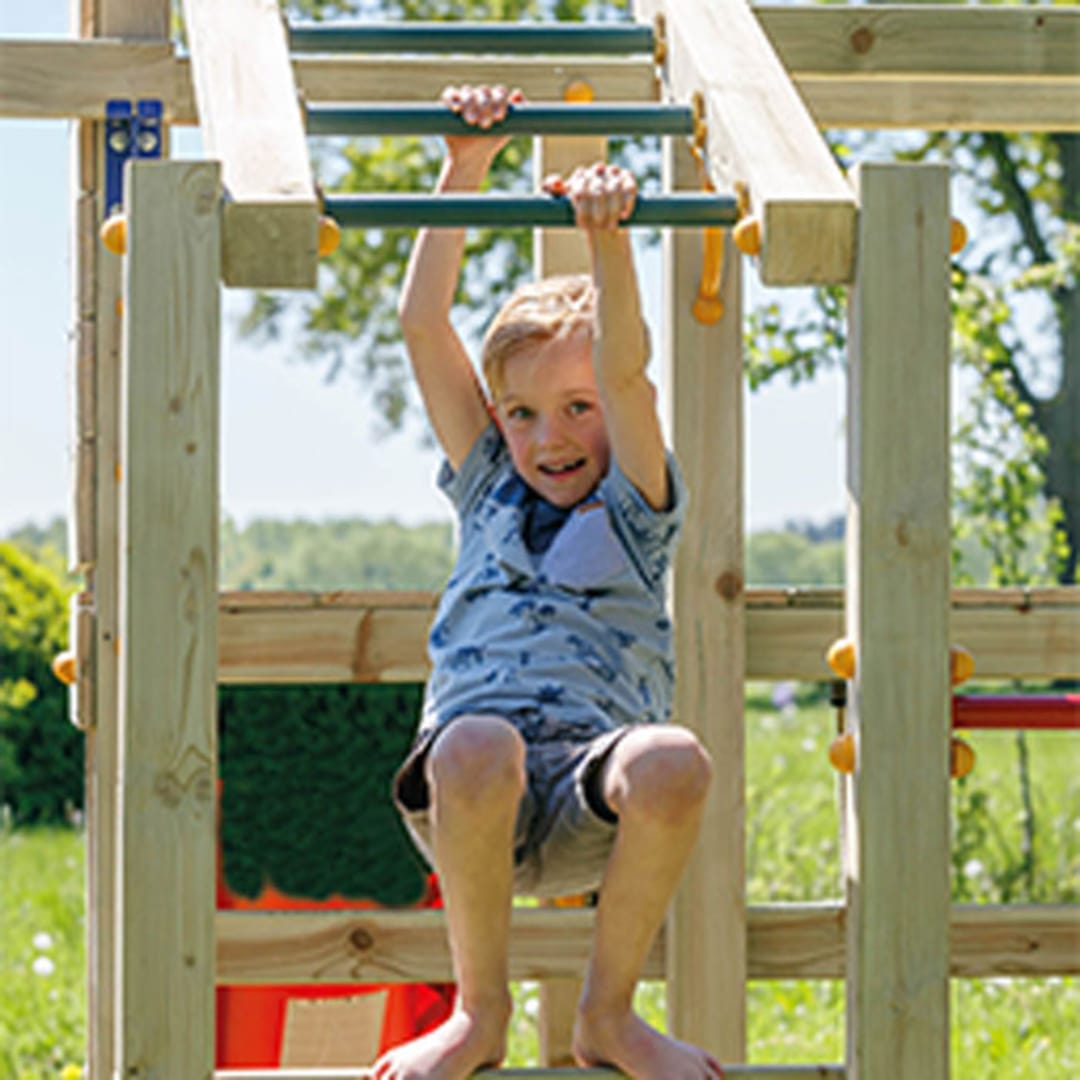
column 740, row 94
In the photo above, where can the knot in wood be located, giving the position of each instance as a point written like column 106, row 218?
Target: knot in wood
column 361, row 940
column 729, row 585
column 862, row 40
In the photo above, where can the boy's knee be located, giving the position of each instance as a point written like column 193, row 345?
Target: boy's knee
column 662, row 774
column 478, row 758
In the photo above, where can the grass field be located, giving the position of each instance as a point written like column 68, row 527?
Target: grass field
column 1002, row 1029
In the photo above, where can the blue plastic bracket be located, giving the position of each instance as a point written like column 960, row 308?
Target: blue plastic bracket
column 130, row 132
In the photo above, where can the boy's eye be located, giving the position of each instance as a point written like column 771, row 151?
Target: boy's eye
column 519, row 412
column 577, row 408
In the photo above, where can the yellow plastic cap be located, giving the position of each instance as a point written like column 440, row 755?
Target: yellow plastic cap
column 329, row 236
column 65, row 668
column 114, row 234
column 747, row 236
column 842, row 753
column 841, row 658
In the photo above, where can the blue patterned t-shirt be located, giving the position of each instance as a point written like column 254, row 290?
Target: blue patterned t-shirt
column 578, row 630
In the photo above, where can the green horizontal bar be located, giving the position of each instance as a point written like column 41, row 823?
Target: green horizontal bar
column 450, row 37
column 508, row 211
column 520, row 120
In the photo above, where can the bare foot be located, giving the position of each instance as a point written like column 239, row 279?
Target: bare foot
column 624, row 1041
column 453, row 1051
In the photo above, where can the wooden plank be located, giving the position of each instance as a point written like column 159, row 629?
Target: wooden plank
column 52, row 79
column 168, row 589
column 129, row 19
column 759, row 134
column 372, row 637
column 250, row 120
column 943, row 104
column 560, row 251
column 706, row 964
column 784, row 941
column 896, row 821
column 1000, row 43
column 70, row 79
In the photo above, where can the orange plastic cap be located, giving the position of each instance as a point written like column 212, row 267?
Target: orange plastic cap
column 842, row 753
column 578, row 91
column 961, row 665
column 64, row 667
column 961, row 759
column 329, row 236
column 747, row 236
column 958, row 236
column 841, row 657
column 708, row 310
column 114, row 234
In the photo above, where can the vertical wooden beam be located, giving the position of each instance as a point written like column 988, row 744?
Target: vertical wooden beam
column 168, row 621
column 561, row 251
column 897, row 816
column 706, row 955
column 93, row 514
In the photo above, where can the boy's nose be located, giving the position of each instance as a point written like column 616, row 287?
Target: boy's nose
column 551, row 430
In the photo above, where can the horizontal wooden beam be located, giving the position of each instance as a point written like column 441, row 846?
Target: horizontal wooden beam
column 93, row 71
column 249, row 116
column 789, row 941
column 295, row 637
column 999, row 43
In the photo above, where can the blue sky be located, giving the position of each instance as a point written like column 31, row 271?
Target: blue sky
column 291, row 445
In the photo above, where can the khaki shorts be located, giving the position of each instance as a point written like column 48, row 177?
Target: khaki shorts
column 564, row 831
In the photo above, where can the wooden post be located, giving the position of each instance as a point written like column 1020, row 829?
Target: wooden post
column 168, row 622
column 897, row 802
column 93, row 524
column 561, row 251
column 706, row 957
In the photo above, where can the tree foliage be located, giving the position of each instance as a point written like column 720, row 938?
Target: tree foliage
column 1016, row 301
column 40, row 752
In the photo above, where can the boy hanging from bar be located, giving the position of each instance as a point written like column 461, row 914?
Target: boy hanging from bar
column 544, row 763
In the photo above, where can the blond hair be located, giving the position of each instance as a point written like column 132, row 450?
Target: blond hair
column 537, row 312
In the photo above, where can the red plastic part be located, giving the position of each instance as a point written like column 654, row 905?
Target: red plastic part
column 1031, row 712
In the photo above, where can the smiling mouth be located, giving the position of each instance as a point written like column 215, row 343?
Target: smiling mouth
column 562, row 470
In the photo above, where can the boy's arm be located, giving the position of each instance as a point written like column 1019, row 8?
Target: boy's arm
column 602, row 196
column 451, row 392
column 620, row 357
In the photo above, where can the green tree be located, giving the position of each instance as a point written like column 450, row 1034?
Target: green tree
column 1016, row 305
column 41, row 773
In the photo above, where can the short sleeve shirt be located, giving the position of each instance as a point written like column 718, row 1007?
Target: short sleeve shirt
column 579, row 631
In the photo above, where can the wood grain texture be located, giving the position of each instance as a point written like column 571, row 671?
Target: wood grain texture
column 706, row 960
column 168, row 597
column 760, row 134
column 249, row 116
column 784, row 941
column 896, row 821
column 380, row 636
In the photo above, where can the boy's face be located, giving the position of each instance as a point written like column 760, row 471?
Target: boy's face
column 549, row 411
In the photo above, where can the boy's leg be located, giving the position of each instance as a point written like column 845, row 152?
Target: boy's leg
column 655, row 780
column 476, row 776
